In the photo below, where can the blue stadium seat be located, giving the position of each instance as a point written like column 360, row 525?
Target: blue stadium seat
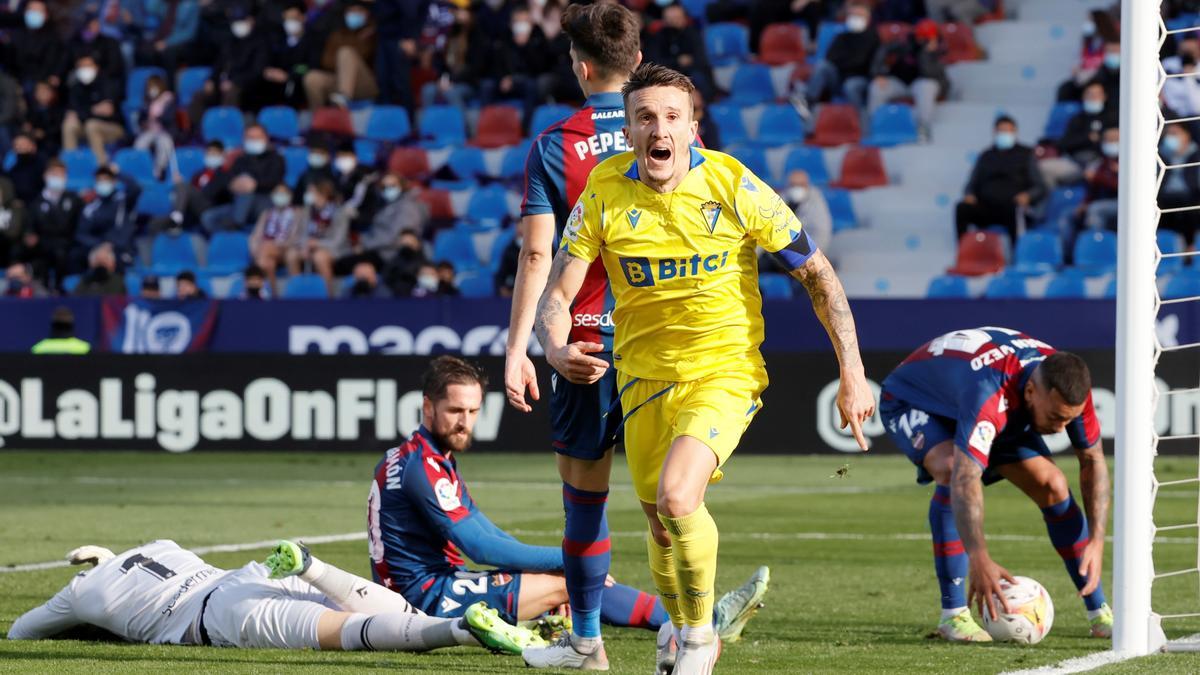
column 366, row 150
column 1060, row 115
column 456, row 246
column 488, row 207
column 476, row 284
column 1182, row 284
column 841, row 208
column 171, row 254
column 827, row 31
column 1006, row 287
column 135, row 84
column 467, row 163
column 751, row 85
column 81, row 168
column 281, row 122
column 305, row 286
column 155, row 200
column 779, row 124
column 1069, row 285
column 775, row 286
column 442, row 125
column 238, row 286
column 136, row 164
column 1096, row 253
column 295, row 161
column 545, row 115
column 809, row 159
column 727, row 43
column 512, row 163
column 223, row 123
column 71, row 282
column 755, row 159
column 189, row 160
column 191, row 80
column 948, row 286
column 892, row 124
column 388, row 123
column 728, row 119
column 133, row 282
column 1061, row 204
column 695, row 9
column 1110, row 289
column 1183, row 21
column 228, row 253
column 1170, row 242
column 1038, row 253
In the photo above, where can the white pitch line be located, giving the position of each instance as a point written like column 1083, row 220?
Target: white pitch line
column 1079, row 664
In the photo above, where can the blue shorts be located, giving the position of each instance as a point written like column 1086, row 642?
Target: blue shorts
column 449, row 596
column 916, row 432
column 585, row 418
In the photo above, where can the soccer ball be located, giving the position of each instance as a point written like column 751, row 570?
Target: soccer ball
column 1031, row 616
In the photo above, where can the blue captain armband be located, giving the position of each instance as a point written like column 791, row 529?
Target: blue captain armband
column 793, row 256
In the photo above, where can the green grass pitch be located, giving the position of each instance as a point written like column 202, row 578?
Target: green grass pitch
column 852, row 582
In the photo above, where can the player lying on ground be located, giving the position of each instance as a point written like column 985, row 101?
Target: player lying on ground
column 421, row 519
column 160, row 593
column 969, row 408
column 677, row 229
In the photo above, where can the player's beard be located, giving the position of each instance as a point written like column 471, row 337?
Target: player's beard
column 457, row 439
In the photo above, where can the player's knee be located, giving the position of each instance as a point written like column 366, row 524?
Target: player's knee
column 675, row 502
column 1055, row 488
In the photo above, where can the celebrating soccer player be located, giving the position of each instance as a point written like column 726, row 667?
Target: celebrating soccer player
column 677, row 229
column 969, row 408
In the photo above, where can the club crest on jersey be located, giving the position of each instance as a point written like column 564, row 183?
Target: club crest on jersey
column 634, row 216
column 574, row 222
column 711, row 211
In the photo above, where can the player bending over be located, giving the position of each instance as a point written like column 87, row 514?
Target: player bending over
column 677, row 229
column 160, row 593
column 969, row 408
column 422, row 519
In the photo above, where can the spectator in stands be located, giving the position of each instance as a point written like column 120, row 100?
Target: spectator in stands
column 104, row 50
column 427, row 282
column 326, row 236
column 810, row 207
column 156, row 124
column 1080, row 143
column 28, row 169
column 1108, row 75
column 171, row 43
column 249, row 182
column 345, row 74
column 847, row 64
column 562, row 84
column 277, row 231
column 365, row 283
column 456, row 83
column 21, row 284
column 1182, row 94
column 400, row 212
column 12, row 220
column 1004, row 184
column 1180, row 187
column 50, row 234
column 505, row 278
column 706, row 128
column 319, row 168
column 965, row 11
column 255, row 284
column 186, row 287
column 348, row 175
column 202, row 190
column 912, row 67
column 399, row 26
column 93, row 110
column 447, row 278
column 238, row 66
column 294, row 52
column 678, row 44
column 110, row 217
column 766, row 12
column 516, row 67
column 1100, row 204
column 151, row 289
column 11, row 107
column 402, row 270
column 44, row 118
column 34, row 51
column 101, row 277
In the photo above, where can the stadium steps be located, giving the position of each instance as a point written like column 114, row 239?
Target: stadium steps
column 1069, row 12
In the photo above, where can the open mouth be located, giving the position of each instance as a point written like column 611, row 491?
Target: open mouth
column 660, row 154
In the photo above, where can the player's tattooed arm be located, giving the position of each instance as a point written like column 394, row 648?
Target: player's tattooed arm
column 1093, row 479
column 966, row 498
column 551, row 310
column 831, row 306
column 553, row 322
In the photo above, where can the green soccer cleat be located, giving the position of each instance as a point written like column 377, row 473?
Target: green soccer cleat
column 288, row 559
column 738, row 606
column 962, row 628
column 1102, row 623
column 549, row 626
column 494, row 634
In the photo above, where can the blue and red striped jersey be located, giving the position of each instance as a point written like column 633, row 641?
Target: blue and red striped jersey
column 556, row 170
column 977, row 378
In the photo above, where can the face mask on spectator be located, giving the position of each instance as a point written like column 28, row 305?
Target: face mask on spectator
column 1093, row 106
column 391, row 192
column 1110, row 149
column 495, row 4
column 317, row 159
column 663, row 3
column 1171, row 144
column 523, row 28
column 293, row 27
column 1005, row 140
column 213, row 161
column 86, row 75
column 105, row 188
column 240, row 29
column 345, row 164
column 1112, row 60
column 153, row 92
column 56, row 183
column 428, row 281
column 281, row 199
column 355, row 20
column 797, row 194
column 856, row 23
column 255, row 147
column 1088, row 29
column 309, row 199
column 34, row 20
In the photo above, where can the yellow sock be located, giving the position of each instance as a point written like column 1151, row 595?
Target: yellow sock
column 694, row 541
column 662, row 571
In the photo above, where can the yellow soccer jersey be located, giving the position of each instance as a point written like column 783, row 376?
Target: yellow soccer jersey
column 682, row 265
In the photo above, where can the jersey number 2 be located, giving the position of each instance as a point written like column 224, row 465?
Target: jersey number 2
column 464, row 586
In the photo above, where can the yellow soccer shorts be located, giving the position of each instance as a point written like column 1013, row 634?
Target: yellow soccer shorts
column 714, row 409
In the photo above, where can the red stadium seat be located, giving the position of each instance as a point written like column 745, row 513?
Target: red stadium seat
column 333, row 120
column 894, row 31
column 499, row 125
column 837, row 124
column 438, row 202
column 862, row 168
column 960, row 43
column 412, row 163
column 781, row 44
column 979, row 253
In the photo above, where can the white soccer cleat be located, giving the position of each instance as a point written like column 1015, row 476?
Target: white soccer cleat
column 665, row 650
column 698, row 656
column 93, row 555
column 737, row 607
column 563, row 654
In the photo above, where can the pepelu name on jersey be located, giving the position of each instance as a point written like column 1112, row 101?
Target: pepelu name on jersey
column 601, row 143
column 644, row 272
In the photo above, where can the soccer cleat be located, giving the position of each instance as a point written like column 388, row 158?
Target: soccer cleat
column 494, row 634
column 962, row 628
column 288, row 559
column 738, row 606
column 665, row 650
column 563, row 654
column 697, row 657
column 549, row 626
column 1102, row 623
